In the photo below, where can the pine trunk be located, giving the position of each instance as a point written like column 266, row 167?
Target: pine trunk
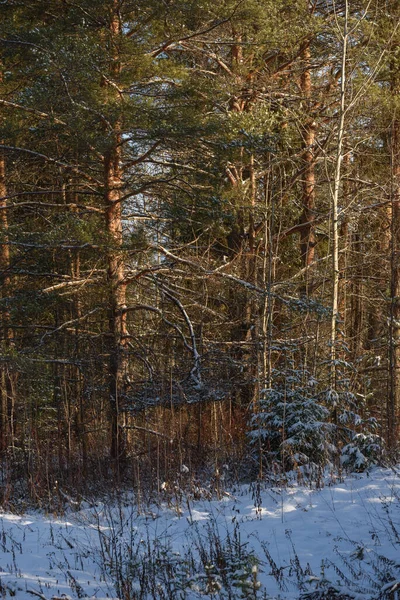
column 307, row 232
column 394, row 329
column 116, row 271
column 6, row 381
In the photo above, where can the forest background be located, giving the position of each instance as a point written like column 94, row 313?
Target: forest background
column 200, row 237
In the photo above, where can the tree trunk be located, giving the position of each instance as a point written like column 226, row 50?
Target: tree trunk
column 4, row 266
column 393, row 402
column 115, row 271
column 335, row 205
column 6, row 381
column 307, row 232
column 393, row 407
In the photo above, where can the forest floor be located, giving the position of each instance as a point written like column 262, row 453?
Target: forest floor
column 265, row 542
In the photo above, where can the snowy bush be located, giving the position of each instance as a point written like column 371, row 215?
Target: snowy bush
column 363, row 451
column 291, row 425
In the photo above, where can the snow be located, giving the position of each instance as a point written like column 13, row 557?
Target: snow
column 297, row 538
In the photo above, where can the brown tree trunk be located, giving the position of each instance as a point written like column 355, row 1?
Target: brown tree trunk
column 6, row 380
column 307, row 232
column 393, row 402
column 356, row 294
column 252, row 308
column 393, row 408
column 5, row 280
column 115, row 271
column 117, row 290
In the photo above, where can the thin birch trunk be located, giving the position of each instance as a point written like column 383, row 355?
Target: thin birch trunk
column 335, row 204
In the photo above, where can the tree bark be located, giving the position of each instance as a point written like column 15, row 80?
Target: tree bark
column 335, row 203
column 115, row 271
column 307, row 231
column 393, row 401
column 393, row 408
column 6, row 382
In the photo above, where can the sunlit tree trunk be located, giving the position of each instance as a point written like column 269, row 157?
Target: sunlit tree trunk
column 115, row 271
column 335, row 201
column 307, row 231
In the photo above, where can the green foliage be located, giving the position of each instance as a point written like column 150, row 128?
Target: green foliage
column 290, row 424
column 201, row 109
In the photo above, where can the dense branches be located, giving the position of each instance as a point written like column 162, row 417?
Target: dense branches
column 170, row 179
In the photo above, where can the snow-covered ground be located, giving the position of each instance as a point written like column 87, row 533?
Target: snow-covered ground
column 266, row 543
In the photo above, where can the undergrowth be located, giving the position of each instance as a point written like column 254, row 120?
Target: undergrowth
column 217, row 563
